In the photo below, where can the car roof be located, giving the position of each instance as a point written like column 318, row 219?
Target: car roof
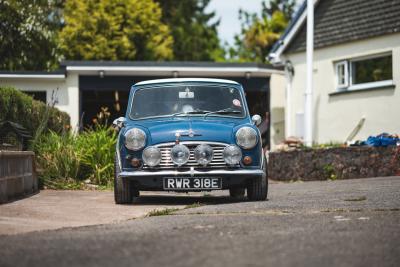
column 177, row 80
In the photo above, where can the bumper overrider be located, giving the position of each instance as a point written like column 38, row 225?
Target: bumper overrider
column 153, row 180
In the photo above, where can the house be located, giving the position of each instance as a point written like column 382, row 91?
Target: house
column 356, row 69
column 82, row 88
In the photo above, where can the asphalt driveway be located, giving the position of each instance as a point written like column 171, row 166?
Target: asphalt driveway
column 340, row 223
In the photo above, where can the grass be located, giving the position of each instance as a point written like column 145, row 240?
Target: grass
column 170, row 211
column 361, row 198
column 163, row 212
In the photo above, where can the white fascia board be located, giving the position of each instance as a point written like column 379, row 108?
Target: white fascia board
column 34, row 76
column 276, row 57
column 126, row 70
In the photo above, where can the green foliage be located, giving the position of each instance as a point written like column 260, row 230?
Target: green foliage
column 163, row 212
column 71, row 158
column 330, row 172
column 259, row 34
column 98, row 150
column 195, row 36
column 27, row 34
column 58, row 156
column 114, row 30
column 18, row 107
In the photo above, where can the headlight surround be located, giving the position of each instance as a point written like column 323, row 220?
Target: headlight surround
column 151, row 156
column 135, row 139
column 203, row 154
column 232, row 155
column 246, row 137
column 180, row 154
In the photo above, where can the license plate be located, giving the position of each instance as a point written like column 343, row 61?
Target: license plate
column 192, row 183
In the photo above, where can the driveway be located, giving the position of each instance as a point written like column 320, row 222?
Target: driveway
column 58, row 209
column 340, row 223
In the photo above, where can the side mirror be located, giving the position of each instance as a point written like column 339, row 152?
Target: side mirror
column 119, row 123
column 256, row 119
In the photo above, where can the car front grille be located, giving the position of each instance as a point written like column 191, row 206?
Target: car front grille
column 217, row 162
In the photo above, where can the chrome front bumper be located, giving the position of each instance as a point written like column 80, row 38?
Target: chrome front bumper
column 193, row 173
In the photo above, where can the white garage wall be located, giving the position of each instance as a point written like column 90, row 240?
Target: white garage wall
column 65, row 91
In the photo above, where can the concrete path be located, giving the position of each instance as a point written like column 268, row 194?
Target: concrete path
column 58, row 209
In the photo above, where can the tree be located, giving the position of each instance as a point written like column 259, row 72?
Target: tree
column 114, row 30
column 27, row 34
column 195, row 36
column 259, row 34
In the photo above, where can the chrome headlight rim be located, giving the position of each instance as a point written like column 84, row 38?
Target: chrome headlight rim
column 202, row 159
column 135, row 139
column 244, row 134
column 149, row 154
column 183, row 149
column 228, row 155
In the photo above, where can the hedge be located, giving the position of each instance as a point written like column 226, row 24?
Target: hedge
column 18, row 107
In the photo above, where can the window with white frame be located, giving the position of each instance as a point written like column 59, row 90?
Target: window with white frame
column 364, row 72
column 342, row 75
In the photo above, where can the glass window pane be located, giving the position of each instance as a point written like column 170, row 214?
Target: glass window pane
column 175, row 99
column 372, row 70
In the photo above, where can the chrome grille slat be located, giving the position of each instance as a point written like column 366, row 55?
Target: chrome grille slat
column 166, row 162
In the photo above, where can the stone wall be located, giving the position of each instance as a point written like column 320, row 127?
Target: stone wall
column 17, row 174
column 334, row 163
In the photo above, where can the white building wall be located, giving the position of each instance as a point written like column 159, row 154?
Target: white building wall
column 63, row 92
column 335, row 116
column 277, row 107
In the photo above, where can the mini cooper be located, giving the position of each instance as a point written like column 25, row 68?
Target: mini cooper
column 189, row 135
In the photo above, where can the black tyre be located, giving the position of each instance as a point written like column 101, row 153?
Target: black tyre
column 237, row 192
column 122, row 187
column 257, row 190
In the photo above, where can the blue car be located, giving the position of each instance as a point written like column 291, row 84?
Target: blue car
column 189, row 135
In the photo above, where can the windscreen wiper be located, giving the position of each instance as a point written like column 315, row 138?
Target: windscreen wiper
column 197, row 111
column 222, row 111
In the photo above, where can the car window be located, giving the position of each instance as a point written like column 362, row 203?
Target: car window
column 187, row 100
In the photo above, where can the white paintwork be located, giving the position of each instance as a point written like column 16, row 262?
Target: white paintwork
column 335, row 116
column 277, row 109
column 173, row 71
column 33, row 76
column 177, row 80
column 308, row 116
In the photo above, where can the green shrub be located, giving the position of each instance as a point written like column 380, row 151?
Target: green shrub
column 58, row 156
column 71, row 158
column 18, row 107
column 98, row 149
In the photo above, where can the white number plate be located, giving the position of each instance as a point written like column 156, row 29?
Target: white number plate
column 192, row 183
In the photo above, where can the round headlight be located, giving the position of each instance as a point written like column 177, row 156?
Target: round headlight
column 135, row 139
column 180, row 154
column 246, row 137
column 203, row 154
column 232, row 155
column 152, row 156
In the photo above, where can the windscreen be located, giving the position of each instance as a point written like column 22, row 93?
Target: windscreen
column 187, row 100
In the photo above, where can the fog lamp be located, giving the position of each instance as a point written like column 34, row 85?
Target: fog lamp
column 232, row 155
column 203, row 154
column 180, row 154
column 152, row 156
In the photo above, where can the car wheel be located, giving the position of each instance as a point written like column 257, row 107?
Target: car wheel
column 122, row 187
column 257, row 190
column 237, row 192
